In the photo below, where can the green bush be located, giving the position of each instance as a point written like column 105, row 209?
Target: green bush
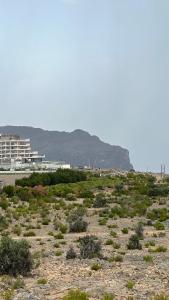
column 59, row 236
column 109, row 242
column 90, row 247
column 125, row 230
column 29, row 233
column 139, row 230
column 79, row 225
column 148, row 258
column 159, row 226
column 160, row 214
column 113, row 233
column 134, row 243
column 3, row 223
column 17, row 230
column 76, row 295
column 159, row 249
column 63, row 228
column 103, row 221
column 108, row 296
column 45, row 222
column 95, row 267
column 150, row 243
column 9, row 190
column 15, row 257
column 86, row 194
column 71, row 254
column 116, row 258
column 42, row 281
column 99, row 201
column 76, row 221
column 58, row 253
column 4, row 204
column 52, row 178
column 130, row 284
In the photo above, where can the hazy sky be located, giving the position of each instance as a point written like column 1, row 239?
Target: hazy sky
column 98, row 65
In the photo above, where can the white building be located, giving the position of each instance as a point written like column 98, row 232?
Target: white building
column 53, row 165
column 15, row 151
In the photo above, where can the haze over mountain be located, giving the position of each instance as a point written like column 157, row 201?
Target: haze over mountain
column 77, row 147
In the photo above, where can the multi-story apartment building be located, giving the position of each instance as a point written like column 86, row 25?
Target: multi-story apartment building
column 14, row 150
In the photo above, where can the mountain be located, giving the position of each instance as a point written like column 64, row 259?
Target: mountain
column 77, row 147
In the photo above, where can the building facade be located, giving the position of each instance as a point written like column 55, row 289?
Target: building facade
column 14, row 150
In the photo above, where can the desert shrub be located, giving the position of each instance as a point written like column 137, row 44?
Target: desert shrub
column 113, row 233
column 7, row 294
column 90, row 247
column 29, row 233
column 111, row 226
column 70, row 197
column 76, row 221
column 3, row 223
column 95, row 267
column 160, row 190
column 71, row 253
column 150, row 243
column 134, row 243
column 4, row 203
column 148, row 258
column 45, row 221
column 17, row 230
column 125, row 230
column 24, row 194
column 42, row 281
column 159, row 226
column 162, row 234
column 116, row 245
column 88, row 202
column 76, row 295
column 160, row 249
column 59, row 236
column 139, row 230
column 130, row 284
column 58, row 253
column 99, row 201
column 160, row 214
column 119, row 188
column 9, row 190
column 116, row 258
column 86, row 194
column 79, row 225
column 103, row 221
column 76, row 213
column 108, row 296
column 60, row 226
column 15, row 257
column 63, row 228
column 109, row 242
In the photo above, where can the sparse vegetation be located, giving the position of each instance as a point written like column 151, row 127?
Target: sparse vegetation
column 90, row 247
column 76, row 295
column 15, row 257
column 134, row 243
column 120, row 210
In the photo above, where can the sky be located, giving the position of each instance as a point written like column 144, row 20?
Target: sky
column 97, row 65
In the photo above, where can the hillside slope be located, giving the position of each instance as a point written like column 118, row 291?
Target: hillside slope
column 77, row 147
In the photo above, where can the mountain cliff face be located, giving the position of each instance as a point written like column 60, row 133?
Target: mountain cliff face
column 77, row 147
